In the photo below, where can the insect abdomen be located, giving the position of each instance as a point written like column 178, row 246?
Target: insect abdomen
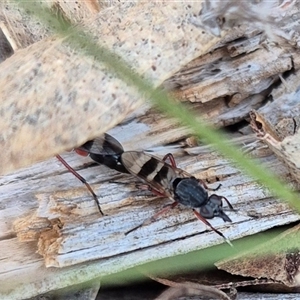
column 149, row 168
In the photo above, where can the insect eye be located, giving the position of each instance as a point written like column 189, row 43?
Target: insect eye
column 207, row 212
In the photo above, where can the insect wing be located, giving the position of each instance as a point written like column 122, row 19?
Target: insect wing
column 155, row 172
column 103, row 145
column 105, row 150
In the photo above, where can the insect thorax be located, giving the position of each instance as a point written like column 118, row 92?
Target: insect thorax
column 189, row 192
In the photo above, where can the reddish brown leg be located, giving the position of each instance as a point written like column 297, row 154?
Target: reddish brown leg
column 143, row 186
column 209, row 225
column 81, row 179
column 157, row 193
column 171, row 158
column 154, row 217
column 173, row 164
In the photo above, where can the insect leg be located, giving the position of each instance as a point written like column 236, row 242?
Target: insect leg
column 82, row 180
column 208, row 188
column 254, row 215
column 223, row 198
column 157, row 193
column 173, row 163
column 171, row 158
column 209, row 225
column 154, row 217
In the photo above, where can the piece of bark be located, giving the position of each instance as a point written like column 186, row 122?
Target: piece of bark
column 220, row 280
column 278, row 122
column 241, row 70
column 277, row 260
column 282, row 114
column 241, row 81
column 273, row 16
column 202, row 282
column 83, row 107
column 206, row 78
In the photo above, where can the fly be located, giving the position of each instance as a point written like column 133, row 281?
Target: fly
column 164, row 180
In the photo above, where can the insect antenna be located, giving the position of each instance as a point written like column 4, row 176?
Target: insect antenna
column 227, row 201
column 214, row 229
column 82, row 180
column 154, row 217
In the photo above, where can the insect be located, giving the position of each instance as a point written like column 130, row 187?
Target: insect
column 163, row 179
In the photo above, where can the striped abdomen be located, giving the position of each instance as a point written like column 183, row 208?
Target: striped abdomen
column 154, row 171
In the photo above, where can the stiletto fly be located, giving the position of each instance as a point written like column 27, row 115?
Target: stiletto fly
column 164, row 180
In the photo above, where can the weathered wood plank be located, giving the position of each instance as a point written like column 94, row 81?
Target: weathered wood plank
column 86, row 236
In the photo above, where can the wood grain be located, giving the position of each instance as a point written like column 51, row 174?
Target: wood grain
column 92, row 246
column 48, row 206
